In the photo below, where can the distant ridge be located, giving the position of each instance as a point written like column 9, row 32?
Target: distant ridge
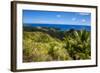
column 60, row 26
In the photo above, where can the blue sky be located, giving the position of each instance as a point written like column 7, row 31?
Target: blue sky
column 52, row 17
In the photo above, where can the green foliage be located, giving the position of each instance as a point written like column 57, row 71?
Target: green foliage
column 50, row 44
column 78, row 44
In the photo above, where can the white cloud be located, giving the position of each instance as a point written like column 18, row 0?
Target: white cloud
column 73, row 19
column 82, row 13
column 58, row 16
column 83, row 20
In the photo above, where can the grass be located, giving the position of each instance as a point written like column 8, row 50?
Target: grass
column 51, row 44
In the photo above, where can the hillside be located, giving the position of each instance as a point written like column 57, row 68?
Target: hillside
column 52, row 44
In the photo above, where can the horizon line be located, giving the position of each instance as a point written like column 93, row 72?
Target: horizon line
column 56, row 24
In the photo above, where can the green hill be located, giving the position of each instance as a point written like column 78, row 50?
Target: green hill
column 51, row 44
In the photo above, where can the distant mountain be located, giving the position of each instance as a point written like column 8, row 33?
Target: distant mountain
column 60, row 26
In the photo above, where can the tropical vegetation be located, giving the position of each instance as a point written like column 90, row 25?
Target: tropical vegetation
column 52, row 44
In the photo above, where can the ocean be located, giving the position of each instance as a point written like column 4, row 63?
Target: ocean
column 60, row 26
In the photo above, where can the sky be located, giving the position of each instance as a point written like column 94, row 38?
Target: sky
column 53, row 17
